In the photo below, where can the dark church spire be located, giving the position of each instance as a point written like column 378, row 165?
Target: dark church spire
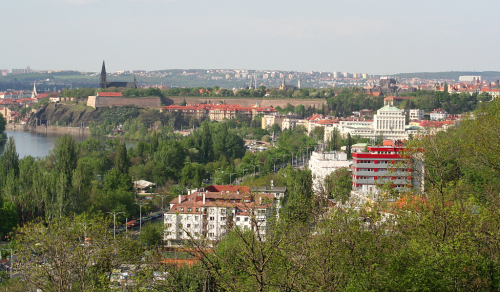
column 103, row 76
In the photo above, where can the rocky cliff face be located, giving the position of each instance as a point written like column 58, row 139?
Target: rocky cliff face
column 71, row 115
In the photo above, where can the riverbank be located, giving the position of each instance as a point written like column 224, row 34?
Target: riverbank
column 48, row 129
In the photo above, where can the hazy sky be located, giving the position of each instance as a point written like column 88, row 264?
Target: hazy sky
column 367, row 36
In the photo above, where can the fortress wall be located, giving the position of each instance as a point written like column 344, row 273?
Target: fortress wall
column 91, row 101
column 150, row 102
column 251, row 101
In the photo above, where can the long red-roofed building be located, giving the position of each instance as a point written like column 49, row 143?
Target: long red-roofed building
column 219, row 112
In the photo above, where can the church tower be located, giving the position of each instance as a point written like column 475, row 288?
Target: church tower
column 283, row 85
column 103, row 76
column 34, row 94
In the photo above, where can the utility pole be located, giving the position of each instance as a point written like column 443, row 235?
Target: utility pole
column 114, row 222
column 140, row 204
column 162, row 197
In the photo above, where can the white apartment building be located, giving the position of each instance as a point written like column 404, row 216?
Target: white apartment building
column 438, row 114
column 469, row 78
column 416, row 114
column 289, row 123
column 209, row 213
column 324, row 163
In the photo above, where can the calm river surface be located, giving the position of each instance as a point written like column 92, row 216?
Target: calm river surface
column 39, row 144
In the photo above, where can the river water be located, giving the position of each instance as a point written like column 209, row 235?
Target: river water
column 39, row 144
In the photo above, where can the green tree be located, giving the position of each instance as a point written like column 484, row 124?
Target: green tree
column 349, row 146
column 319, row 133
column 334, row 143
column 80, row 252
column 338, row 184
column 122, row 162
column 151, row 235
column 205, row 142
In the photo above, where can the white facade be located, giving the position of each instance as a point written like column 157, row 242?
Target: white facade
column 389, row 122
column 416, row 114
column 288, row 123
column 322, row 164
column 438, row 115
column 469, row 78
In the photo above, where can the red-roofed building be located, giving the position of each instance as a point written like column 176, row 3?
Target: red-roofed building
column 208, row 213
column 494, row 92
column 42, row 95
column 12, row 95
column 219, row 112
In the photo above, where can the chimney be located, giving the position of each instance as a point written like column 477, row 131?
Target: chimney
column 203, row 199
column 180, row 199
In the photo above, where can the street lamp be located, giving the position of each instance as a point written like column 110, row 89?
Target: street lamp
column 162, row 197
column 230, row 174
column 140, row 204
column 114, row 222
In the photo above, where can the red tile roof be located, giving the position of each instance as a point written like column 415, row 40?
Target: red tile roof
column 110, row 94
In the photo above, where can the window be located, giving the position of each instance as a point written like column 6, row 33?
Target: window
column 237, row 218
column 210, row 235
column 181, row 209
column 222, row 211
column 211, row 226
column 169, row 225
column 188, row 226
column 197, row 209
column 246, row 218
column 190, row 209
column 196, row 226
column 211, row 211
column 211, row 218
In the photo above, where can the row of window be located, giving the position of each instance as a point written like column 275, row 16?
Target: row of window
column 181, row 209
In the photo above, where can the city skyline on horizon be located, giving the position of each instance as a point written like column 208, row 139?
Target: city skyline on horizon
column 325, row 36
column 130, row 71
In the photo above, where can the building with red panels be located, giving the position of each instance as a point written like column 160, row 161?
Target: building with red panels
column 380, row 166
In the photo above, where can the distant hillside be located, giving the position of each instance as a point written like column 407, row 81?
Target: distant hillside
column 493, row 75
